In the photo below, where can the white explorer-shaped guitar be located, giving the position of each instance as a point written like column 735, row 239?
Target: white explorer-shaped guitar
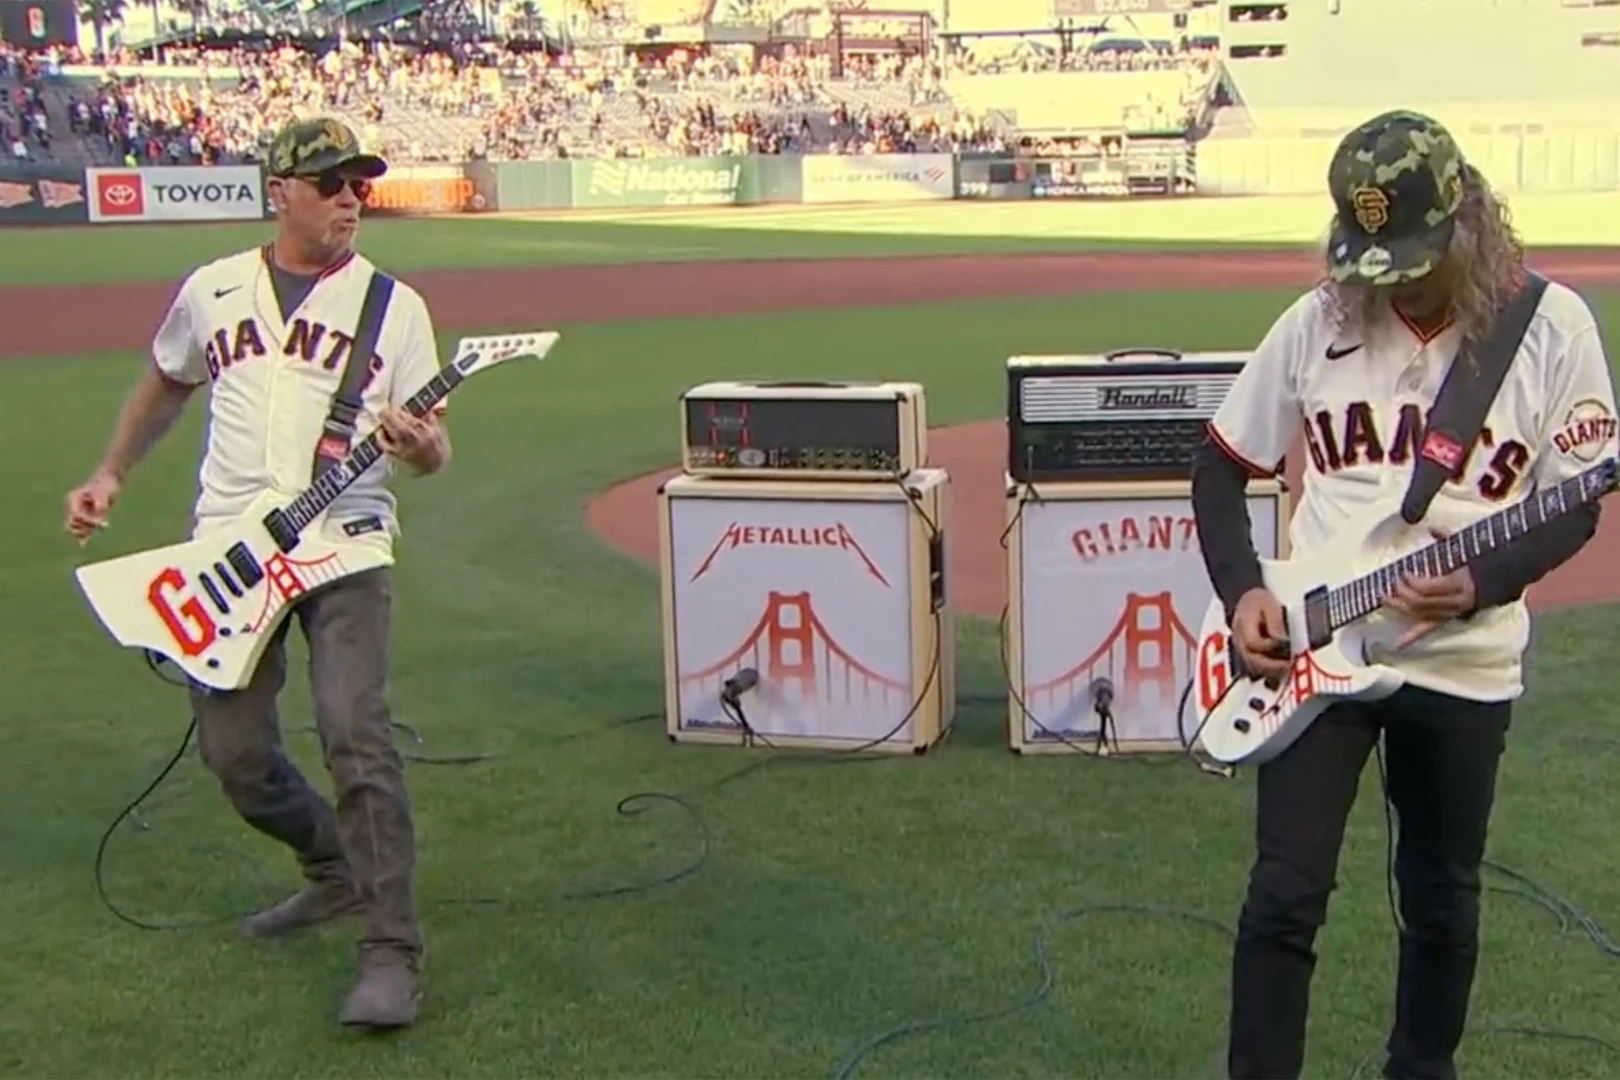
column 210, row 605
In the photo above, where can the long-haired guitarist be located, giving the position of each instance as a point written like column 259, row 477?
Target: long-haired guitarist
column 1420, row 254
column 269, row 331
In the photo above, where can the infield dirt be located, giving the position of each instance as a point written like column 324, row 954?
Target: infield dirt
column 624, row 516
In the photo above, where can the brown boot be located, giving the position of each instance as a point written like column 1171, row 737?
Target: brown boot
column 386, row 994
column 315, row 903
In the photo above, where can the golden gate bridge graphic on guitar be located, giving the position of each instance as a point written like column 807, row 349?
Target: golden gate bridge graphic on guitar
column 799, row 663
column 1148, row 648
column 212, row 604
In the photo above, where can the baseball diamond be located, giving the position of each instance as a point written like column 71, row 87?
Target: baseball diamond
column 624, row 515
column 366, row 718
column 480, row 690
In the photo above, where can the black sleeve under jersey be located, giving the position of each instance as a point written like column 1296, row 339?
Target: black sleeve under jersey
column 1501, row 576
column 1221, row 516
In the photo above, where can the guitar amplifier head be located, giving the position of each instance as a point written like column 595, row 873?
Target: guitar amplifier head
column 804, row 430
column 1134, row 414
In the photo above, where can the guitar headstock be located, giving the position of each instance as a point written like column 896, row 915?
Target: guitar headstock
column 475, row 354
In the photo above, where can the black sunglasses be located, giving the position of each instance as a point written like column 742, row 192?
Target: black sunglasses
column 329, row 183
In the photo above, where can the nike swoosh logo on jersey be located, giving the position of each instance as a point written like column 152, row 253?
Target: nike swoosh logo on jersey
column 1334, row 354
column 220, row 294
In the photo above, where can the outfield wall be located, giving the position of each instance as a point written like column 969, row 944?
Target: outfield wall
column 1141, row 168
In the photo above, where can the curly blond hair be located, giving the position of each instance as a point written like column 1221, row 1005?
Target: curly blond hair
column 1484, row 267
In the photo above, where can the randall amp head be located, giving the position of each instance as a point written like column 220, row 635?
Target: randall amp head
column 1135, row 414
column 804, row 430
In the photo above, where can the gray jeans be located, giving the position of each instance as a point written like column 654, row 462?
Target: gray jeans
column 369, row 839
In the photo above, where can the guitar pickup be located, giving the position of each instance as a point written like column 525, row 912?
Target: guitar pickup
column 247, row 568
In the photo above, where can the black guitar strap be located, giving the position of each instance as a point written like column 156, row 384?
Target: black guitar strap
column 338, row 431
column 1470, row 386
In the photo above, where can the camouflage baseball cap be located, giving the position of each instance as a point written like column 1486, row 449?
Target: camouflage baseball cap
column 1397, row 183
column 310, row 147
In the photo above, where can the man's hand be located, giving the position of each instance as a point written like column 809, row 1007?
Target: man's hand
column 417, row 442
column 1262, row 640
column 1430, row 601
column 89, row 504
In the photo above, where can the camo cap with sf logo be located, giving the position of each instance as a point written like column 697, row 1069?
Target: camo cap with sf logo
column 1397, row 181
column 310, row 147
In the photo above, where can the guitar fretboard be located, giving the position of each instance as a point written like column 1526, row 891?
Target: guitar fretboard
column 1362, row 596
column 335, row 480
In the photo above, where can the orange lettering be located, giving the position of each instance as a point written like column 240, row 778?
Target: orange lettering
column 188, row 624
column 1085, row 545
column 1212, row 663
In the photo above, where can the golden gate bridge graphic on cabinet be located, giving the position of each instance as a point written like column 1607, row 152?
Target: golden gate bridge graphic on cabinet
column 1149, row 647
column 799, row 663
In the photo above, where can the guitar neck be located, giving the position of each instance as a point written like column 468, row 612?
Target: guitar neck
column 1362, row 596
column 335, row 480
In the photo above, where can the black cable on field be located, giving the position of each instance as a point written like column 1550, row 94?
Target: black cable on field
column 1520, row 886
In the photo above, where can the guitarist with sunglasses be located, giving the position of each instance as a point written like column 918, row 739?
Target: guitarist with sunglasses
column 271, row 333
column 1420, row 257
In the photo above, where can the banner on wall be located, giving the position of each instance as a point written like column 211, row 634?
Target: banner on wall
column 1121, row 167
column 719, row 181
column 409, row 190
column 844, row 178
column 41, row 195
column 176, row 193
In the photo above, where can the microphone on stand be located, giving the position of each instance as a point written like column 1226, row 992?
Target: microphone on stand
column 1102, row 703
column 738, row 685
column 731, row 692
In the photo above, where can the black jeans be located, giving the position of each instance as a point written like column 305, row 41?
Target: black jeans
column 1441, row 758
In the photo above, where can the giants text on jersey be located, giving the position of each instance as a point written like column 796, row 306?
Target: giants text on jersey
column 272, row 381
column 1360, row 402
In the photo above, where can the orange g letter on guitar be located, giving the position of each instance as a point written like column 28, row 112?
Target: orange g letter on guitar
column 188, row 624
column 1212, row 664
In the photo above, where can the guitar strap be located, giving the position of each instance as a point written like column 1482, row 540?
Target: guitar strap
column 1470, row 386
column 338, row 430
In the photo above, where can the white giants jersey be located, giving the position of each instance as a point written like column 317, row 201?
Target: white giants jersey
column 273, row 381
column 1361, row 399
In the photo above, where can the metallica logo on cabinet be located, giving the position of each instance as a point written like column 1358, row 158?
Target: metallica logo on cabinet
column 831, row 593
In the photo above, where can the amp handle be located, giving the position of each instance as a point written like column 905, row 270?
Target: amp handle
column 807, row 384
column 1173, row 354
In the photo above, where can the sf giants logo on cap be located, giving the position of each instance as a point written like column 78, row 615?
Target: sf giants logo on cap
column 120, row 195
column 1371, row 208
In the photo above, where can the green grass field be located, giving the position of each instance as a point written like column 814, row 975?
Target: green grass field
column 835, row 902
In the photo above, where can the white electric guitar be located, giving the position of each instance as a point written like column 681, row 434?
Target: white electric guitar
column 211, row 605
column 1333, row 609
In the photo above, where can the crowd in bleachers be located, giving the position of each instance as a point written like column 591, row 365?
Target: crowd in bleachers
column 479, row 100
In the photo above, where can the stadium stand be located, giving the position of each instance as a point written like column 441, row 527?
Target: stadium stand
column 428, row 80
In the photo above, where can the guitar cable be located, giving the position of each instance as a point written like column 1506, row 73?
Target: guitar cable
column 1523, row 886
column 1045, row 975
column 1100, row 748
column 131, row 811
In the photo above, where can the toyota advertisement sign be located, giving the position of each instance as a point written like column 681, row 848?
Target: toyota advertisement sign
column 176, row 193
